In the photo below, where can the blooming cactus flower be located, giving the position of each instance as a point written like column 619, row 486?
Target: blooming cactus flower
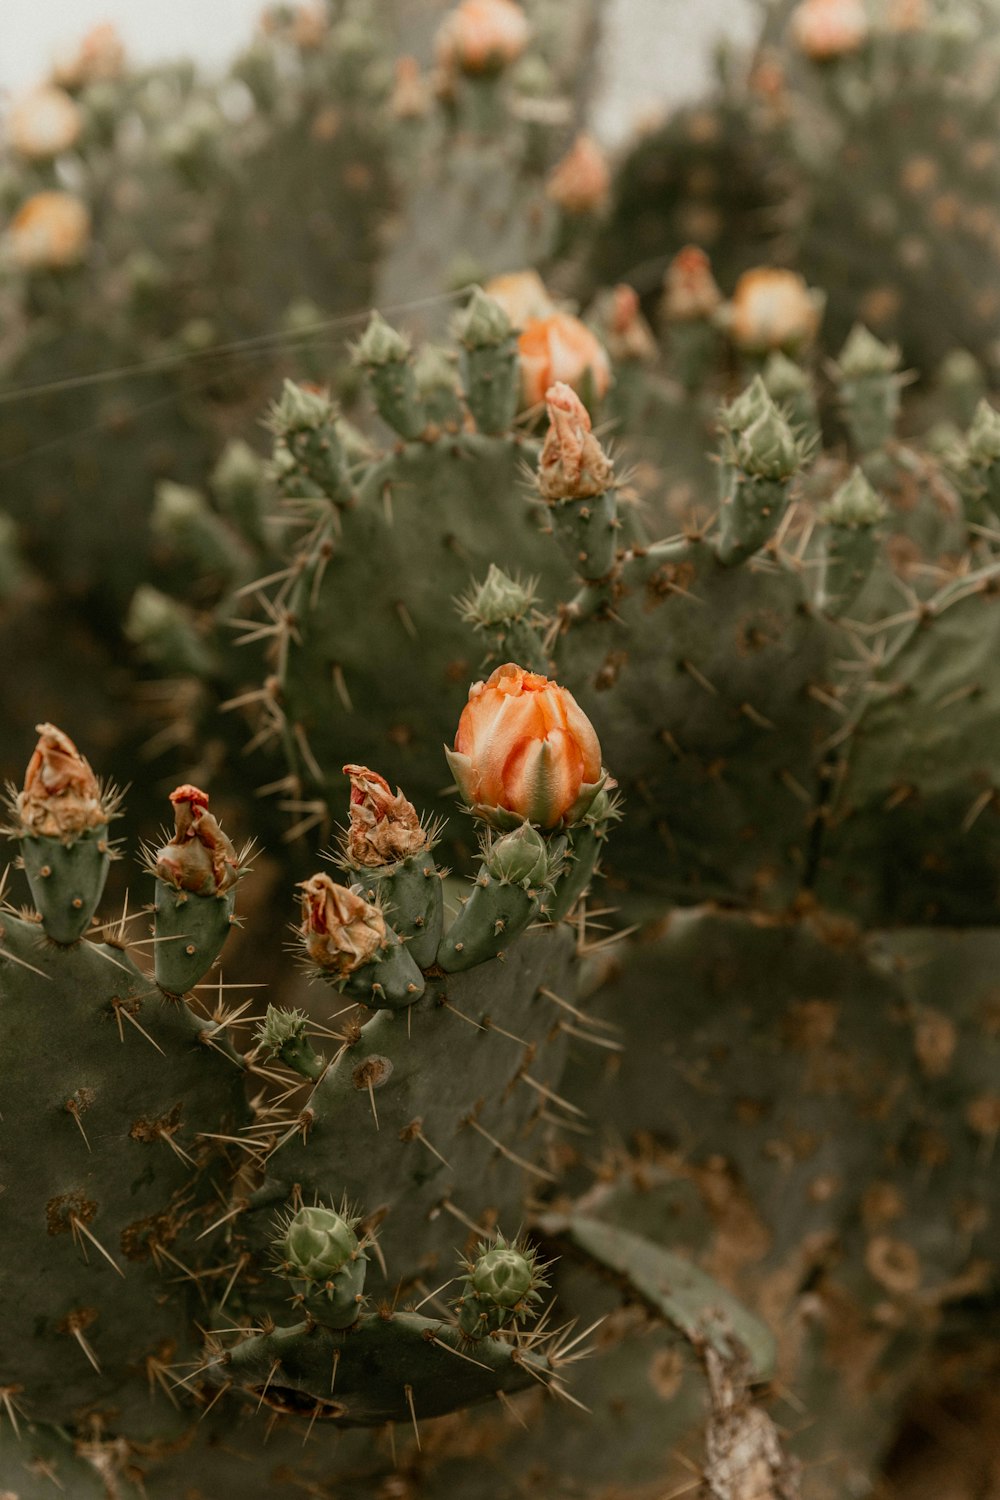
column 199, row 858
column 580, row 182
column 98, row 58
column 482, row 36
column 560, row 348
column 44, row 123
column 689, row 288
column 826, row 29
column 51, row 231
column 61, row 796
column 773, row 309
column 573, row 465
column 525, row 751
column 341, row 930
column 384, row 825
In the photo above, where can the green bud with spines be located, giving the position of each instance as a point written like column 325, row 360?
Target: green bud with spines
column 863, row 354
column 385, row 353
column 380, row 344
column 869, row 382
column 751, row 403
column 164, row 630
column 520, row 857
column 283, row 1035
column 498, row 599
column 308, row 458
column 238, row 483
column 490, row 365
column 850, row 542
column 975, row 466
column 982, row 441
column 484, row 324
column 320, row 1251
column 299, row 410
column 855, row 504
column 791, row 390
column 502, row 1286
column 768, row 448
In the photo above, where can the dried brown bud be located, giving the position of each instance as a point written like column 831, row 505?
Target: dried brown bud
column 199, row 858
column 573, row 464
column 341, row 931
column 61, row 796
column 384, row 825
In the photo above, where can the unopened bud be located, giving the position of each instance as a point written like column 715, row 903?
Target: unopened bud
column 520, row 857
column 855, row 504
column 380, row 344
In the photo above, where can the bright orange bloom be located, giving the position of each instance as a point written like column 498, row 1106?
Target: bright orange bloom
column 773, row 309
column 199, row 858
column 482, row 36
column 526, row 751
column 560, row 348
column 50, row 231
column 826, row 29
column 581, row 181
column 341, row 931
column 61, row 796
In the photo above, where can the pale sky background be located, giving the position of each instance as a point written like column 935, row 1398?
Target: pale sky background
column 658, row 49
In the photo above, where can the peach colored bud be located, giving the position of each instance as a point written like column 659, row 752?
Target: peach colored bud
column 482, row 36
column 522, row 295
column 309, row 27
column 689, row 289
column 573, row 464
column 411, row 96
column 199, row 858
column 626, row 333
column 61, row 796
column 384, row 825
column 581, row 181
column 827, row 29
column 44, row 123
column 560, row 348
column 773, row 309
column 526, row 751
column 51, row 231
column 99, row 58
column 341, row 931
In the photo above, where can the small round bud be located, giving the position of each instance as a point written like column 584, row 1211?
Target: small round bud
column 504, row 1274
column 380, row 344
column 484, row 324
column 299, row 410
column 318, row 1243
column 750, row 404
column 855, row 504
column 863, row 354
column 519, row 857
column 768, row 449
column 498, row 600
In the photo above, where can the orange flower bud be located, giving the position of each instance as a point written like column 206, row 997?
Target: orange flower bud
column 689, row 289
column 61, row 796
column 384, row 826
column 50, row 231
column 580, row 182
column 560, row 348
column 199, row 858
column 526, row 751
column 626, row 333
column 99, row 58
column 482, row 36
column 573, row 465
column 411, row 98
column 522, row 295
column 44, row 123
column 826, row 29
column 773, row 309
column 341, row 931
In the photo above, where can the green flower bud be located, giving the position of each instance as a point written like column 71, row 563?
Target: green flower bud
column 519, row 857
column 982, row 444
column 750, row 404
column 504, row 1274
column 318, row 1243
column 498, row 599
column 484, row 323
column 435, row 371
column 785, row 381
column 380, row 344
column 863, row 354
column 176, row 507
column 855, row 504
column 767, row 449
column 501, row 1286
column 299, row 410
column 281, row 1026
column 239, row 469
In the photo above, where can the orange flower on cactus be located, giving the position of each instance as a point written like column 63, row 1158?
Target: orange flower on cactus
column 773, row 309
column 581, row 181
column 690, row 292
column 341, row 931
column 199, row 858
column 827, row 29
column 44, row 123
column 525, row 751
column 482, row 36
column 384, row 825
column 561, row 348
column 62, row 796
column 522, row 295
column 49, row 232
column 98, row 58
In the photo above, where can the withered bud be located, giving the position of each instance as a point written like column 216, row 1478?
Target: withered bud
column 340, row 930
column 200, row 858
column 573, row 464
column 61, row 796
column 384, row 825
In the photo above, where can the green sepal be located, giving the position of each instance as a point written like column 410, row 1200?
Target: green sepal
column 390, row 982
column 750, row 515
column 66, row 880
column 412, row 895
column 190, row 932
column 492, row 379
column 587, row 531
column 495, row 914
